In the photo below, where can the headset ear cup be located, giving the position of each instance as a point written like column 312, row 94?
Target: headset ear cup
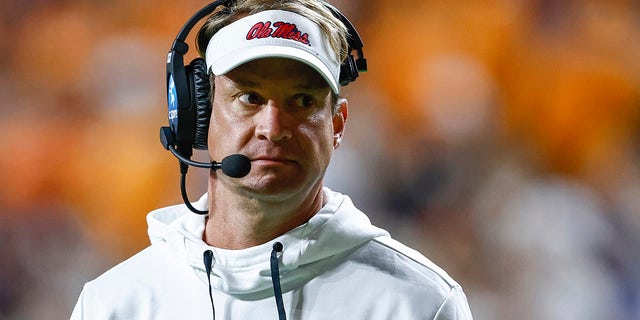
column 202, row 102
column 348, row 70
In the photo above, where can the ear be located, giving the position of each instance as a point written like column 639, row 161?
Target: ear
column 340, row 121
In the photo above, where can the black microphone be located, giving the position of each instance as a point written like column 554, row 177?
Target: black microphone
column 234, row 166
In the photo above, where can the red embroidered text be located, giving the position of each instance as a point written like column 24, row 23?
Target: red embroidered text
column 278, row 29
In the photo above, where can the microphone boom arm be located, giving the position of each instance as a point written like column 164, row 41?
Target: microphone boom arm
column 168, row 142
column 214, row 165
column 235, row 165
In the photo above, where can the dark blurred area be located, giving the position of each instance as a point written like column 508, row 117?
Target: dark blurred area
column 500, row 138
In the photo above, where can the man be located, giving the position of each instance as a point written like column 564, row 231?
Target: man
column 276, row 243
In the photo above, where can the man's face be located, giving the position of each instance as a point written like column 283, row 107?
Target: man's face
column 278, row 112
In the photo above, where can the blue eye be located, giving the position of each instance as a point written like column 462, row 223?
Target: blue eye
column 250, row 98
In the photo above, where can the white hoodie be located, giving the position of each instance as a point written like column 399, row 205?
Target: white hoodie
column 335, row 266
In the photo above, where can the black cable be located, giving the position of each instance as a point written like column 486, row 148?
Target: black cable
column 275, row 279
column 208, row 258
column 185, row 197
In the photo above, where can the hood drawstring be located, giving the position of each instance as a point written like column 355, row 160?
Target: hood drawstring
column 208, row 260
column 275, row 278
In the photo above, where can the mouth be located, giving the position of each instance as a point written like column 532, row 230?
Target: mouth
column 270, row 161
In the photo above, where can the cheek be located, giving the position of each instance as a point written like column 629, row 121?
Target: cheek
column 220, row 123
column 320, row 134
column 223, row 131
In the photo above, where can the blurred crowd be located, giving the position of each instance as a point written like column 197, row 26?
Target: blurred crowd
column 500, row 138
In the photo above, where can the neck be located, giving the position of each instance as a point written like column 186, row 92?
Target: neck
column 239, row 220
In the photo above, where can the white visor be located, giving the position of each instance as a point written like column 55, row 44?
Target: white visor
column 273, row 34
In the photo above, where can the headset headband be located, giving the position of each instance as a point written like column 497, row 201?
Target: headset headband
column 182, row 97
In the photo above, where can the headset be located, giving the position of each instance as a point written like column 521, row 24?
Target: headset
column 189, row 99
column 189, row 89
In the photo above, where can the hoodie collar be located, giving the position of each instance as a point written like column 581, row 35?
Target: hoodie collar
column 336, row 228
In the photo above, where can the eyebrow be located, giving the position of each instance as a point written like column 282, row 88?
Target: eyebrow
column 243, row 82
column 307, row 86
column 314, row 86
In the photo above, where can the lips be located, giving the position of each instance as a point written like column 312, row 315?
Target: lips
column 270, row 160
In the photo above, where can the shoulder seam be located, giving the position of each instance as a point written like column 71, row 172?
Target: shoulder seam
column 441, row 306
column 417, row 257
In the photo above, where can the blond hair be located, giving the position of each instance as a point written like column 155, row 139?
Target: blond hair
column 314, row 10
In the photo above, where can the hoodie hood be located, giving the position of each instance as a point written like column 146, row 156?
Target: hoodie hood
column 338, row 228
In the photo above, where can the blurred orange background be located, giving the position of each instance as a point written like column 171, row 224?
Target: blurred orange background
column 500, row 138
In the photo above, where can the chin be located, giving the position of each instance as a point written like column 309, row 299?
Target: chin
column 275, row 187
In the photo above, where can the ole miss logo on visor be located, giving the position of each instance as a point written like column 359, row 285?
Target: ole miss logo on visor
column 280, row 29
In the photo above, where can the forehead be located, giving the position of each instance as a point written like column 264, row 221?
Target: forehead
column 285, row 71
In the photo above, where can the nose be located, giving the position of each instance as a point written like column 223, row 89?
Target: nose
column 271, row 124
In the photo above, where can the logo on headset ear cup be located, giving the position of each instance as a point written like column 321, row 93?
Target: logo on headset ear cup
column 201, row 100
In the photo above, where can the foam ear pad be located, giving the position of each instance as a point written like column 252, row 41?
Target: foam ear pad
column 201, row 90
